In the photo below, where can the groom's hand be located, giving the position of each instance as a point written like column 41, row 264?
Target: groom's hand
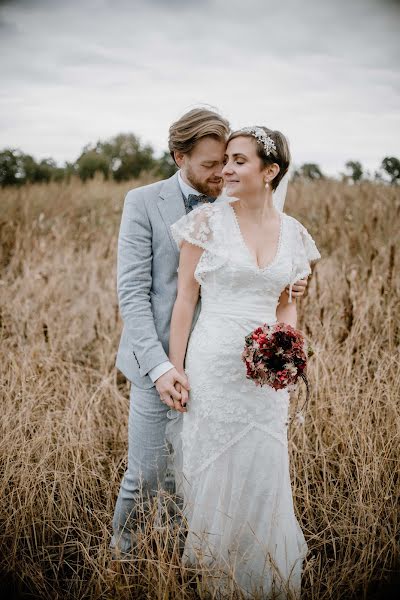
column 165, row 386
column 298, row 288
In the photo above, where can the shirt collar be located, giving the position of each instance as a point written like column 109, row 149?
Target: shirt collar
column 185, row 188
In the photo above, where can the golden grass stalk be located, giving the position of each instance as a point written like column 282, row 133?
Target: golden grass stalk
column 64, row 410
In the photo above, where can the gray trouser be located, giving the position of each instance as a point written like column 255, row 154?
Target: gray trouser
column 147, row 464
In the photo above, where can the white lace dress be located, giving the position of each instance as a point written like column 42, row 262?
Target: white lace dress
column 231, row 453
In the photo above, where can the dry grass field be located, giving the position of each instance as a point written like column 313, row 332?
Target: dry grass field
column 64, row 408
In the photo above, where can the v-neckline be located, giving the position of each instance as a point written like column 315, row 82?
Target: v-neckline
column 247, row 249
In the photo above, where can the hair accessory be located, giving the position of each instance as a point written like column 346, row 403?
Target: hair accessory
column 262, row 137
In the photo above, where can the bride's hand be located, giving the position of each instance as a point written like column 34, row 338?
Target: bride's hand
column 298, row 288
column 180, row 405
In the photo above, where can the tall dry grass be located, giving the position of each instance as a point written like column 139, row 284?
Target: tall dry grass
column 64, row 408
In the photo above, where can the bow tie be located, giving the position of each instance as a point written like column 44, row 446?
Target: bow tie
column 193, row 200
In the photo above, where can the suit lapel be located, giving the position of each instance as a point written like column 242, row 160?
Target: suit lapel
column 171, row 206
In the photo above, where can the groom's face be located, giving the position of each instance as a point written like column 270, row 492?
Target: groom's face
column 202, row 167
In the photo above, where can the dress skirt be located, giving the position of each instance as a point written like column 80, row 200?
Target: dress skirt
column 232, row 468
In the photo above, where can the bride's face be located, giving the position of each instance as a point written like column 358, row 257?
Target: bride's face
column 243, row 172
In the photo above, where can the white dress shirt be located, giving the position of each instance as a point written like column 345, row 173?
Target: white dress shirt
column 162, row 368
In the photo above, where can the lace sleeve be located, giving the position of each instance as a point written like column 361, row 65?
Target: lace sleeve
column 305, row 251
column 195, row 228
column 203, row 227
column 310, row 248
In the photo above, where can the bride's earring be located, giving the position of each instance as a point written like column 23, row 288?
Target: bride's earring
column 266, row 184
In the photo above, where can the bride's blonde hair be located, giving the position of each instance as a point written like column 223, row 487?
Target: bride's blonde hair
column 281, row 156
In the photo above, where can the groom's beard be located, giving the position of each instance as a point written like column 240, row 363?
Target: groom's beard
column 212, row 187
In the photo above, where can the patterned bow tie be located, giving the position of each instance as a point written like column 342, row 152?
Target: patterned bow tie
column 193, row 200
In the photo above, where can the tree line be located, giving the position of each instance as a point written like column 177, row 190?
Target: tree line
column 121, row 158
column 388, row 171
column 125, row 157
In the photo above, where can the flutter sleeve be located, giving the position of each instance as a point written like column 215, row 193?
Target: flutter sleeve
column 305, row 252
column 195, row 228
column 203, row 227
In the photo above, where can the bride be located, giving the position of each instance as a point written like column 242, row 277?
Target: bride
column 229, row 436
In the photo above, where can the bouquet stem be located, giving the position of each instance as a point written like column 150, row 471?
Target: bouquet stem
column 298, row 413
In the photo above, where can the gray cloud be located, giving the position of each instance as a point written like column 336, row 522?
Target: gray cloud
column 88, row 69
column 7, row 29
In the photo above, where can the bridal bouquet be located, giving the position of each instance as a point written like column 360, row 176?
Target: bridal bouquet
column 276, row 355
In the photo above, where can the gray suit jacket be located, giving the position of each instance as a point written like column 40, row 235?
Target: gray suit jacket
column 147, row 276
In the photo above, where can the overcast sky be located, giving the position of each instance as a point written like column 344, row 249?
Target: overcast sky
column 325, row 72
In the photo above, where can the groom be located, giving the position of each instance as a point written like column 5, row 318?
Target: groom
column 147, row 279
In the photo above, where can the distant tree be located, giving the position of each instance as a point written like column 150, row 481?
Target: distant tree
column 10, row 167
column 165, row 166
column 69, row 170
column 91, row 162
column 47, row 170
column 308, row 171
column 18, row 168
column 391, row 166
column 38, row 172
column 27, row 167
column 126, row 156
column 59, row 173
column 355, row 170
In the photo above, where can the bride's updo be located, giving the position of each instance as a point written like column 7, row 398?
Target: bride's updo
column 280, row 156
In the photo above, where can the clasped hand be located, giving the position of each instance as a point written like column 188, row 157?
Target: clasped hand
column 173, row 388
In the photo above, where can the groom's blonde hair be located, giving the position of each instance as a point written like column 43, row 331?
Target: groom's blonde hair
column 193, row 126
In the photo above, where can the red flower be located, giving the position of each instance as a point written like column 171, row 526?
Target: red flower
column 275, row 355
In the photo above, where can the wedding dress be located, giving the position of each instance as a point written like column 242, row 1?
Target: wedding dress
column 230, row 448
